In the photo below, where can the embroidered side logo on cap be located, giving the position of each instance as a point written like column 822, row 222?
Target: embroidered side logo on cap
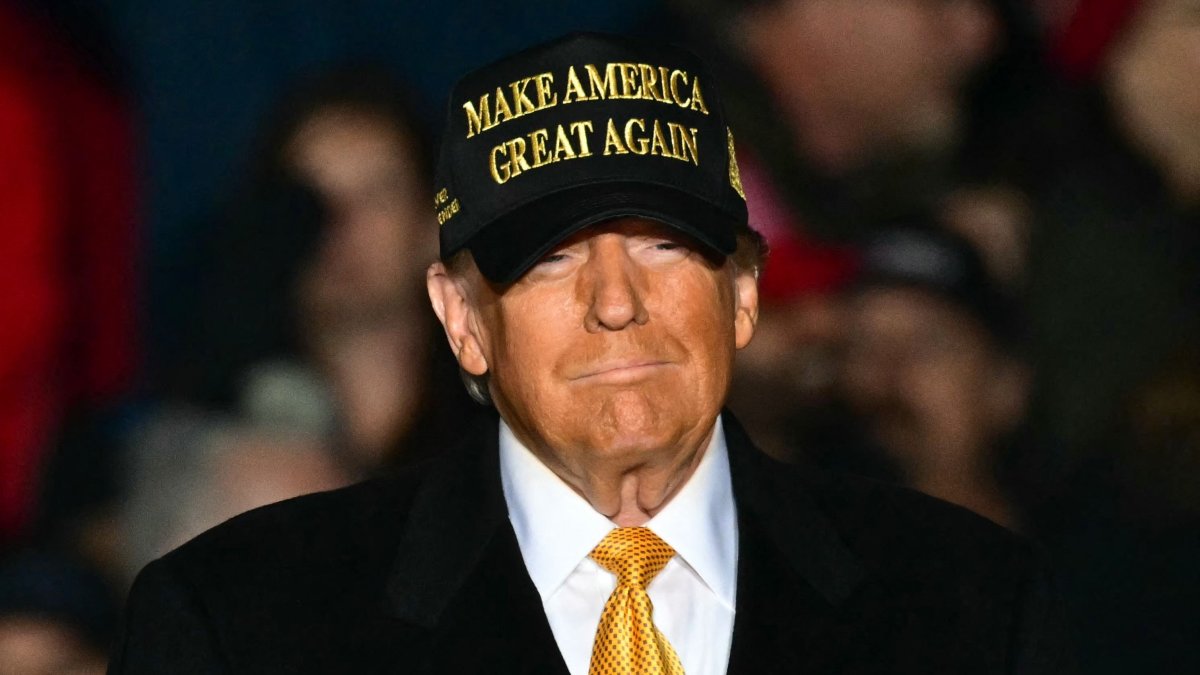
column 446, row 207
column 735, row 176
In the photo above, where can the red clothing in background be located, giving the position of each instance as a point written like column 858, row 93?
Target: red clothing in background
column 1080, row 46
column 67, row 242
column 797, row 265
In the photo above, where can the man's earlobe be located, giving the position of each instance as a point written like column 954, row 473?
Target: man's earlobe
column 746, row 315
column 471, row 358
column 453, row 309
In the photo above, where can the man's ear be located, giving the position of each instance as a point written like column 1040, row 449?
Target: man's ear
column 452, row 305
column 745, row 298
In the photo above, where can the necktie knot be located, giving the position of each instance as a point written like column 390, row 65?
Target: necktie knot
column 635, row 554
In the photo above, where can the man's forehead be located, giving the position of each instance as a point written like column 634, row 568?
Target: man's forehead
column 921, row 311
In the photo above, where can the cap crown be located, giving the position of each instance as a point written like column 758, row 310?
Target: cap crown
column 588, row 113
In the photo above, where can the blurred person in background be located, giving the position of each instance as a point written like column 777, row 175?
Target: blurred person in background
column 859, row 82
column 191, row 471
column 319, row 264
column 56, row 617
column 1149, row 78
column 311, row 357
column 1110, row 161
column 855, row 113
column 786, row 383
column 68, row 344
column 1116, row 161
column 785, row 380
column 863, row 110
column 932, row 370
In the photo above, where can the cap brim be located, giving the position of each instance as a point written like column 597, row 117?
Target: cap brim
column 507, row 247
column 990, row 307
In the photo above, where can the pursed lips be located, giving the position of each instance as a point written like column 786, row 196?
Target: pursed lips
column 621, row 371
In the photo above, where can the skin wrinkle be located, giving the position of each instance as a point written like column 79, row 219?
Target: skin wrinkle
column 610, row 359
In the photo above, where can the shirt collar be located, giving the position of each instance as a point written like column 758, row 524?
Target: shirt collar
column 556, row 528
column 700, row 522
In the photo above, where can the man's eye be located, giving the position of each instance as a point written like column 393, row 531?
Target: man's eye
column 554, row 261
column 667, row 249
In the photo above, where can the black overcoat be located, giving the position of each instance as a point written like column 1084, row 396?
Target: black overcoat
column 421, row 573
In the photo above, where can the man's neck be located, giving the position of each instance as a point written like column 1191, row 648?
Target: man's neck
column 627, row 495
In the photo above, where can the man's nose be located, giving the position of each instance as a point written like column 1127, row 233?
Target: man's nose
column 613, row 288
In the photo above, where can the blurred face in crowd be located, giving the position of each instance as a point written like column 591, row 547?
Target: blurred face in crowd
column 856, row 78
column 33, row 646
column 360, row 295
column 380, row 237
column 610, row 358
column 1152, row 76
column 792, row 349
column 788, row 373
column 997, row 221
column 251, row 468
column 926, row 376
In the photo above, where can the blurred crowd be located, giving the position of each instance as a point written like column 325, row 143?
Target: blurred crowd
column 984, row 221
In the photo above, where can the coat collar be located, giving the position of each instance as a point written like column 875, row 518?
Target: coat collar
column 457, row 526
column 459, row 575
column 457, row 511
column 772, row 498
column 795, row 574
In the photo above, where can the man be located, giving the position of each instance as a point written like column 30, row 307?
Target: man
column 862, row 81
column 861, row 109
column 597, row 276
column 931, row 367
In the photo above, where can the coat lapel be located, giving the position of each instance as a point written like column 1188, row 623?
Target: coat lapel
column 795, row 575
column 459, row 574
column 460, row 578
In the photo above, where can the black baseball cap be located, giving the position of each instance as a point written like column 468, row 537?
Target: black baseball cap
column 578, row 131
column 945, row 264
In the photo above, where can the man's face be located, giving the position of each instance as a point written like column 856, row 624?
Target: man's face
column 36, row 646
column 859, row 77
column 1151, row 80
column 616, row 348
column 379, row 237
column 922, row 372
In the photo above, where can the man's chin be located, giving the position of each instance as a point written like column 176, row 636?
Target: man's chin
column 642, row 429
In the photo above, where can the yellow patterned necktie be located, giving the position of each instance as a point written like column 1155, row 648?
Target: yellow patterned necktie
column 627, row 642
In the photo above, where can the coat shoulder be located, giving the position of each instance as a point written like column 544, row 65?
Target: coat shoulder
column 893, row 530
column 899, row 529
column 302, row 585
column 353, row 527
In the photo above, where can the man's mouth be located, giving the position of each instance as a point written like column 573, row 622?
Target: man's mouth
column 621, row 371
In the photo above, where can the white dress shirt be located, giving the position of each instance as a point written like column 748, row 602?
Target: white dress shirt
column 694, row 594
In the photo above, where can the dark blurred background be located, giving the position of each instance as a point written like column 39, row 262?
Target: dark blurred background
column 984, row 218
